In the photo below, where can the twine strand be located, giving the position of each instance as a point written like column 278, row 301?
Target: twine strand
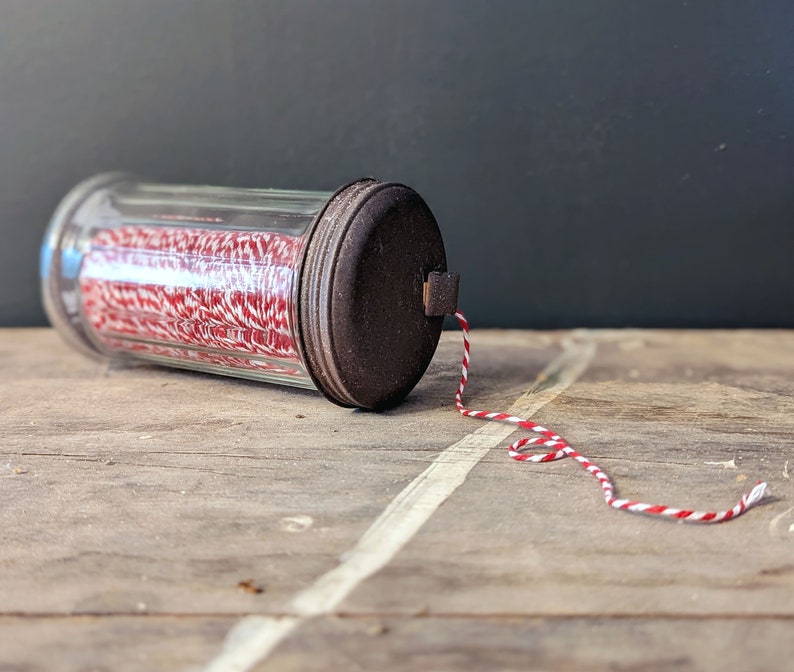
column 560, row 448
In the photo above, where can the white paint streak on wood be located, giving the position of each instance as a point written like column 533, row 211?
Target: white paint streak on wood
column 251, row 640
column 299, row 523
column 254, row 637
column 727, row 464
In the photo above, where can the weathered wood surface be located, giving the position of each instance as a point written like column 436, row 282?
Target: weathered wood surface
column 133, row 501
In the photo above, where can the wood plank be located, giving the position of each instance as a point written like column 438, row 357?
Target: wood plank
column 548, row 644
column 149, row 494
column 108, row 644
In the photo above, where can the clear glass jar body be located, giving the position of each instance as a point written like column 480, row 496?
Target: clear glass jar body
column 203, row 278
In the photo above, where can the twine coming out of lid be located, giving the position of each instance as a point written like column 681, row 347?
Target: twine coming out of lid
column 549, row 439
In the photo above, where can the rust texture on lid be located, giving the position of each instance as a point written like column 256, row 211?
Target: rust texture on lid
column 364, row 333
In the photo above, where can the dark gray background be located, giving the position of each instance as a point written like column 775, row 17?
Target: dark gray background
column 590, row 162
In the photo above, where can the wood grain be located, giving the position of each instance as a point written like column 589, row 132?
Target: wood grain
column 134, row 500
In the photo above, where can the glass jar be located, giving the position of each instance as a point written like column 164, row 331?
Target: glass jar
column 311, row 289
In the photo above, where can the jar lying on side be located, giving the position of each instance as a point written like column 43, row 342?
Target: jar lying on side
column 343, row 292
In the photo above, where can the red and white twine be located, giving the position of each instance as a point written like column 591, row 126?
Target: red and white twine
column 560, row 448
column 209, row 296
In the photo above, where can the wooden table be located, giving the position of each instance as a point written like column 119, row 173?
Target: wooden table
column 162, row 520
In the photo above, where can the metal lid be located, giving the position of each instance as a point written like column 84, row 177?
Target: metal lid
column 361, row 320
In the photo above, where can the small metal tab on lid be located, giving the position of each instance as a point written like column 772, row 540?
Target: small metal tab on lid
column 310, row 289
column 441, row 294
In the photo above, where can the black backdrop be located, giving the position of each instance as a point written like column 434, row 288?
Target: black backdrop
column 590, row 162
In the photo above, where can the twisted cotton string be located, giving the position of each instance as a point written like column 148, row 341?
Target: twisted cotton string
column 560, row 448
column 219, row 297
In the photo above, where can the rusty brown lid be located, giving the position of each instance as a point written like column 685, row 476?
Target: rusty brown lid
column 365, row 338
